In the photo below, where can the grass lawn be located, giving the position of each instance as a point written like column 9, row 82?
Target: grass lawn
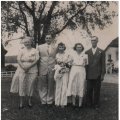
column 10, row 111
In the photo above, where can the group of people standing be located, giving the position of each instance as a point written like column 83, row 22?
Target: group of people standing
column 63, row 76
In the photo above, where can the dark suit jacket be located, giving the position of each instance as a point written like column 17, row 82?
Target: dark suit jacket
column 96, row 64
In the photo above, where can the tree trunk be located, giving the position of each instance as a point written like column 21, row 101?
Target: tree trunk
column 48, row 21
column 27, row 31
column 3, row 52
column 40, row 41
column 35, row 31
column 45, row 30
column 25, row 19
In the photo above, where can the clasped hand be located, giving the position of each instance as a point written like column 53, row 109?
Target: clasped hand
column 26, row 68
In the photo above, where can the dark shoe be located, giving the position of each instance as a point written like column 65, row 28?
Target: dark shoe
column 69, row 104
column 49, row 105
column 80, row 107
column 63, row 107
column 75, row 107
column 21, row 107
column 30, row 105
column 96, row 107
column 89, row 106
column 42, row 106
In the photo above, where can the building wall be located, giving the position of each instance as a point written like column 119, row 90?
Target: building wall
column 113, row 51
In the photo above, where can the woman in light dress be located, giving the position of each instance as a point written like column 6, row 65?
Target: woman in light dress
column 26, row 73
column 61, row 75
column 77, row 76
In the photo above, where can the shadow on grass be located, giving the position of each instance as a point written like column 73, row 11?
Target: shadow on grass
column 10, row 111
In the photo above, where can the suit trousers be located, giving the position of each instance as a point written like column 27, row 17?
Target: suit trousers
column 93, row 91
column 46, row 88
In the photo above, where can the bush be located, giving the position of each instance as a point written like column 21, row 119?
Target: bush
column 10, row 68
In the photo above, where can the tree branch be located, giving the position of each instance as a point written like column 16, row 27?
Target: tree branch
column 22, row 25
column 33, row 6
column 23, row 28
column 27, row 7
column 70, row 19
column 59, row 13
column 49, row 16
column 14, row 8
column 51, row 9
column 44, row 4
column 25, row 19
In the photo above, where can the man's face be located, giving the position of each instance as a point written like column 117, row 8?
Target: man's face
column 48, row 39
column 94, row 43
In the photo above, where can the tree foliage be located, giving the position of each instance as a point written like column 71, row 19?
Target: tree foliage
column 37, row 18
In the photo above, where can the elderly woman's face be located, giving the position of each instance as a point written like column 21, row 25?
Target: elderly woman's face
column 48, row 39
column 27, row 42
column 79, row 48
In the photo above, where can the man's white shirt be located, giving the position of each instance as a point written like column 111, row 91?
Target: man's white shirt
column 94, row 50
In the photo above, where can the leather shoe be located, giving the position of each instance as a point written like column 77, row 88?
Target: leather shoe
column 96, row 107
column 21, row 107
column 30, row 105
column 49, row 105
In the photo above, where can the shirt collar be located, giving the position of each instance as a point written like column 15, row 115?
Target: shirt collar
column 47, row 44
column 94, row 48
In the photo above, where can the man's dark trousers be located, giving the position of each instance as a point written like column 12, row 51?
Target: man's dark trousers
column 93, row 91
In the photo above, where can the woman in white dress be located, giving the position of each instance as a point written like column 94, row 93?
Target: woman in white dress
column 61, row 76
column 26, row 73
column 77, row 75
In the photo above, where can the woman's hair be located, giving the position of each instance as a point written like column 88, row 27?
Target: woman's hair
column 28, row 38
column 61, row 44
column 78, row 44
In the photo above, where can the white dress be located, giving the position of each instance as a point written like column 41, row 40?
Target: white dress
column 22, row 82
column 77, row 75
column 61, row 83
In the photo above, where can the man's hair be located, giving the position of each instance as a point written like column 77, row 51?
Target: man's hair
column 94, row 38
column 53, row 36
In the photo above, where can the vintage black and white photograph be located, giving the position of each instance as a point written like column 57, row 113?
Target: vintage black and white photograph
column 59, row 60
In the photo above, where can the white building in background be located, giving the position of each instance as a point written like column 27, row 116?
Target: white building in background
column 13, row 48
column 111, row 53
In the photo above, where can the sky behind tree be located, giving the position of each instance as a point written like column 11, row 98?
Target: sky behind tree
column 71, row 37
column 79, row 35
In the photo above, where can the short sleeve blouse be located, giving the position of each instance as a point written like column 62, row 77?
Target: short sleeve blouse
column 27, row 57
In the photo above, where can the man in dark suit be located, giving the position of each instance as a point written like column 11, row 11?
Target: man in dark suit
column 95, row 71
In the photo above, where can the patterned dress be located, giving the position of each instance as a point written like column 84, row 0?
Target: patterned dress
column 23, row 82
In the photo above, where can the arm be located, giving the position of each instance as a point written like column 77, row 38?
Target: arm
column 86, row 60
column 103, row 66
column 69, row 59
column 38, row 62
column 36, row 59
column 19, row 60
